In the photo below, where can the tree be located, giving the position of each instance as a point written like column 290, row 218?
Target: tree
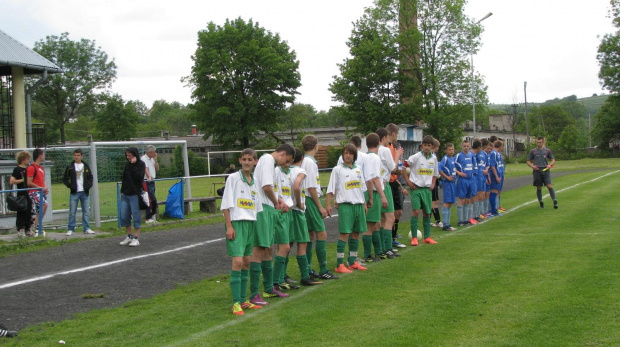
column 570, row 139
column 117, row 120
column 609, row 53
column 550, row 121
column 243, row 77
column 297, row 116
column 410, row 62
column 607, row 128
column 87, row 74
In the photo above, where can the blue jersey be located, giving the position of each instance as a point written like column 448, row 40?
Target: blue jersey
column 466, row 164
column 496, row 160
column 482, row 161
column 446, row 165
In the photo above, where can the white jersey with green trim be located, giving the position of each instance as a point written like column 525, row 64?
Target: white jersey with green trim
column 422, row 169
column 283, row 185
column 372, row 168
column 294, row 172
column 347, row 184
column 264, row 174
column 313, row 180
column 240, row 198
column 387, row 163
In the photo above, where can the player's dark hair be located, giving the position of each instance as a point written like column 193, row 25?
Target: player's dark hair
column 382, row 132
column 285, row 147
column 249, row 151
column 498, row 144
column 484, row 142
column 449, row 144
column 477, row 144
column 436, row 143
column 428, row 139
column 299, row 155
column 540, row 138
column 309, row 142
column 36, row 154
column 492, row 139
column 372, row 140
column 392, row 128
column 78, row 150
column 351, row 149
column 356, row 140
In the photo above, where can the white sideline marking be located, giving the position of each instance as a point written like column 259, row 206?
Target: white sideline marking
column 535, row 201
column 245, row 317
column 82, row 269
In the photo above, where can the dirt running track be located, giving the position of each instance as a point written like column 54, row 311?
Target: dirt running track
column 59, row 297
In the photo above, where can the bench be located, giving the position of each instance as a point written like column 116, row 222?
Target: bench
column 207, row 204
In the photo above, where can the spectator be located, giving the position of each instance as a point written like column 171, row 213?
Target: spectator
column 35, row 176
column 152, row 166
column 79, row 178
column 131, row 189
column 23, row 222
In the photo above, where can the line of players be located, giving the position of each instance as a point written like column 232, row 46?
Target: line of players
column 278, row 204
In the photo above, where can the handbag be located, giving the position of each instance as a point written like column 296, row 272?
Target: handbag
column 17, row 203
column 144, row 200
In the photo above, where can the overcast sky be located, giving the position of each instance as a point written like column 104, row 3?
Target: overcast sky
column 551, row 44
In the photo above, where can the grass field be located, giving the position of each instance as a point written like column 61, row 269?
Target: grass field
column 529, row 278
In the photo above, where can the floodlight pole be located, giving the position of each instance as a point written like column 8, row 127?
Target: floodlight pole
column 473, row 82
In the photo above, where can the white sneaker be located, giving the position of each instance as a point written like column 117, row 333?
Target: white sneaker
column 88, row 231
column 126, row 241
column 440, row 224
column 149, row 221
column 36, row 233
column 21, row 233
column 69, row 232
column 433, row 225
column 134, row 243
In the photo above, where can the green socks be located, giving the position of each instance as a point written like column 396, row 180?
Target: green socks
column 243, row 294
column 367, row 242
column 235, row 285
column 302, row 261
column 267, row 267
column 426, row 222
column 321, row 255
column 278, row 268
column 376, row 242
column 255, row 270
column 309, row 255
column 354, row 245
column 340, row 252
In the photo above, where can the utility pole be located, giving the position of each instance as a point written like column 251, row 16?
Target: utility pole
column 512, row 128
column 527, row 121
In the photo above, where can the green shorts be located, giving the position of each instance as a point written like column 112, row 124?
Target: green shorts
column 374, row 212
column 242, row 245
column 298, row 227
column 282, row 228
column 351, row 218
column 422, row 199
column 387, row 190
column 265, row 226
column 314, row 219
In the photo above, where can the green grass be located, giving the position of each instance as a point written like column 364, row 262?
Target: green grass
column 529, row 278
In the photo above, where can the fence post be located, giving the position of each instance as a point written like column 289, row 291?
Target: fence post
column 95, row 190
column 186, row 172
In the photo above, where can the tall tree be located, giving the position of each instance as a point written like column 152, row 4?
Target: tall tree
column 243, row 77
column 88, row 72
column 117, row 120
column 412, row 59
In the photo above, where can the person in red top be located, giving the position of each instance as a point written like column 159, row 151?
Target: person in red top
column 35, row 175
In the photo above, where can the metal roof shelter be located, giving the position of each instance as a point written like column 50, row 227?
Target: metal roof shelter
column 17, row 61
column 14, row 54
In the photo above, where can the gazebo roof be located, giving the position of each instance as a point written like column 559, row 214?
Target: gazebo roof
column 14, row 53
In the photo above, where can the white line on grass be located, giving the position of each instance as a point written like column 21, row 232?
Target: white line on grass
column 82, row 269
column 245, row 317
column 534, row 201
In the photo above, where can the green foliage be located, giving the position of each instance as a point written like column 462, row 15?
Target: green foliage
column 87, row 73
column 609, row 53
column 173, row 117
column 607, row 127
column 243, row 77
column 570, row 139
column 333, row 153
column 294, row 118
column 197, row 165
column 117, row 120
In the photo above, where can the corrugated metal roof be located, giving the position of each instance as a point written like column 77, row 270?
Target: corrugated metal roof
column 14, row 53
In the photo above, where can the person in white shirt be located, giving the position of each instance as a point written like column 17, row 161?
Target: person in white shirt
column 152, row 166
column 79, row 178
column 388, row 166
column 376, row 200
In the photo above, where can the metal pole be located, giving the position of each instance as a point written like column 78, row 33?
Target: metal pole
column 527, row 121
column 188, row 185
column 95, row 190
column 473, row 92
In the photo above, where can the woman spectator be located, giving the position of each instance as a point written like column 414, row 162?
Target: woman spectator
column 23, row 222
column 131, row 190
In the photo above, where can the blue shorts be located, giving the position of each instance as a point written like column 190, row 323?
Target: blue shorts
column 449, row 192
column 465, row 188
column 497, row 185
column 481, row 183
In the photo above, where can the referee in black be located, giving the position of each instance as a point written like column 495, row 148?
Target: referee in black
column 538, row 160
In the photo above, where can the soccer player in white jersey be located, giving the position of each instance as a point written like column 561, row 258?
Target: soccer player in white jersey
column 376, row 200
column 283, row 187
column 314, row 209
column 261, row 260
column 421, row 181
column 240, row 205
column 388, row 165
column 346, row 187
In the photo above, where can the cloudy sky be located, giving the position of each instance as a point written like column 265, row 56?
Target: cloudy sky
column 551, row 44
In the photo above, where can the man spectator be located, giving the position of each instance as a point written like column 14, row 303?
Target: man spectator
column 79, row 178
column 152, row 166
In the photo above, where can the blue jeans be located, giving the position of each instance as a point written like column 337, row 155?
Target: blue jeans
column 73, row 204
column 130, row 208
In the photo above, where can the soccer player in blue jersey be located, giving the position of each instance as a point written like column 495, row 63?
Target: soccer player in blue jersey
column 448, row 172
column 496, row 165
column 481, row 179
column 488, row 148
column 465, row 185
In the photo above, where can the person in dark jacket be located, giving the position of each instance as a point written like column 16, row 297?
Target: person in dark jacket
column 23, row 222
column 131, row 190
column 79, row 178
